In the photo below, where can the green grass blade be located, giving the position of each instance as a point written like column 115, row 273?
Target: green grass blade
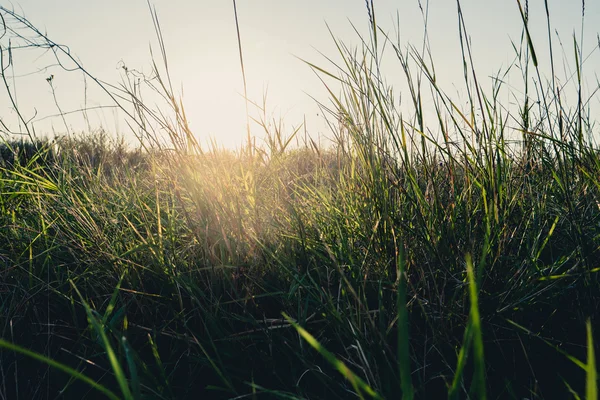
column 403, row 334
column 113, row 300
column 357, row 383
column 529, row 40
column 215, row 367
column 112, row 357
column 54, row 364
column 576, row 361
column 479, row 378
column 133, row 370
column 591, row 381
column 463, row 355
column 473, row 336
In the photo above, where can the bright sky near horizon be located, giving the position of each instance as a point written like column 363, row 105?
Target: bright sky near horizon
column 201, row 43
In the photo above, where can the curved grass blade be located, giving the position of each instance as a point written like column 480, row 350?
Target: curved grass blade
column 55, row 364
column 357, row 383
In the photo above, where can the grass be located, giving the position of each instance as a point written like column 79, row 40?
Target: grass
column 417, row 256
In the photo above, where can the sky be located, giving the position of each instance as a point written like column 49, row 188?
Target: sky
column 202, row 49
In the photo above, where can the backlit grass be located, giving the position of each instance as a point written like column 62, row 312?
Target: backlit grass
column 453, row 254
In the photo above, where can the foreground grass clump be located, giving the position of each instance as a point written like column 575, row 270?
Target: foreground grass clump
column 186, row 269
column 395, row 261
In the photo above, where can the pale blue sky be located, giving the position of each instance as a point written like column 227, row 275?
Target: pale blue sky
column 203, row 55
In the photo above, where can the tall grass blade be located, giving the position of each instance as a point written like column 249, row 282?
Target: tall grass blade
column 403, row 331
column 479, row 378
column 472, row 336
column 591, row 380
column 112, row 357
column 525, row 18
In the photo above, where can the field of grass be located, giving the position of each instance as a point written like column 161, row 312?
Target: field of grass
column 453, row 256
